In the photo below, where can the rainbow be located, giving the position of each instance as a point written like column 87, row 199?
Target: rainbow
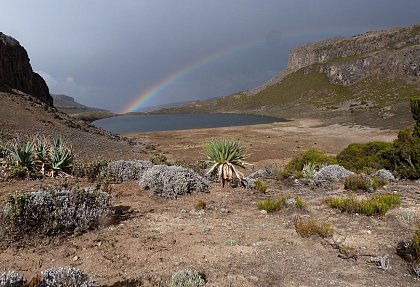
column 159, row 86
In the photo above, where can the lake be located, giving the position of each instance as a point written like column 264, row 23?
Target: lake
column 169, row 122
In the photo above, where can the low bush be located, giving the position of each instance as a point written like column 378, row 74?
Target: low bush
column 415, row 244
column 172, row 181
column 332, row 173
column 12, row 279
column 90, row 170
column 357, row 182
column 313, row 156
column 187, row 278
column 56, row 210
column 200, row 204
column 54, row 277
column 374, row 205
column 65, row 277
column 311, row 227
column 271, row 205
column 260, row 186
column 364, row 157
column 125, row 170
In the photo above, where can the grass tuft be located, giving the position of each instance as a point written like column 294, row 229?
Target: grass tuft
column 311, row 227
column 375, row 205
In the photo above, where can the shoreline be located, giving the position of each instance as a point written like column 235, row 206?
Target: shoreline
column 266, row 143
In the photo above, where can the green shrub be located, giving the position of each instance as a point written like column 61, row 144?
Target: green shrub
column 357, row 182
column 364, row 157
column 311, row 156
column 415, row 110
column 299, row 202
column 311, row 227
column 404, row 156
column 375, row 205
column 260, row 186
column 200, row 204
column 271, row 205
column 378, row 182
column 415, row 244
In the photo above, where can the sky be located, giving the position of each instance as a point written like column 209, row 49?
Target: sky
column 127, row 55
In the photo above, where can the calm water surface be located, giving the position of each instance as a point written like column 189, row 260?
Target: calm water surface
column 169, row 122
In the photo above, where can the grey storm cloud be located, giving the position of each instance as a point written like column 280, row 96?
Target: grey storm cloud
column 107, row 53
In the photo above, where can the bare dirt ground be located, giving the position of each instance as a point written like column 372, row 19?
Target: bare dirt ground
column 231, row 242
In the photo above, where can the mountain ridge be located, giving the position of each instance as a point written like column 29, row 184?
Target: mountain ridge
column 364, row 78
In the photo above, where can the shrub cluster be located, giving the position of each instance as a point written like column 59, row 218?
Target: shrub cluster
column 172, row 181
column 54, row 277
column 295, row 166
column 123, row 170
column 357, row 182
column 55, row 211
column 12, row 279
column 271, row 205
column 38, row 156
column 374, row 205
column 187, row 278
column 332, row 173
column 311, row 227
column 364, row 157
column 90, row 170
column 260, row 186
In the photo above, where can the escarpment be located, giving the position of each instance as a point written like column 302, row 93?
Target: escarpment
column 16, row 71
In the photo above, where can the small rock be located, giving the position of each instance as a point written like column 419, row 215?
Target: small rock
column 183, row 211
column 75, row 258
column 263, row 211
column 291, row 202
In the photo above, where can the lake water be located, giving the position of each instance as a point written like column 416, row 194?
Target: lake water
column 169, row 122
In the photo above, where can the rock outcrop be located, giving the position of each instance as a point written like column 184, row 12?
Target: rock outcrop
column 16, row 71
column 348, row 60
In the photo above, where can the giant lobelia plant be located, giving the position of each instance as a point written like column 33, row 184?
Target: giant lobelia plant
column 225, row 157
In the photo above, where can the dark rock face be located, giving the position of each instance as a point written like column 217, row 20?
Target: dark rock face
column 347, row 60
column 16, row 71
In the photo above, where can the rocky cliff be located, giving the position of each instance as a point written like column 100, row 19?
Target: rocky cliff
column 16, row 71
column 348, row 60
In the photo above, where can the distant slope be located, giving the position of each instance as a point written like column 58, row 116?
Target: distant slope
column 366, row 79
column 78, row 111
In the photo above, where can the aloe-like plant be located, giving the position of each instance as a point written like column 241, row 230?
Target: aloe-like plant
column 22, row 155
column 225, row 156
column 309, row 170
column 61, row 158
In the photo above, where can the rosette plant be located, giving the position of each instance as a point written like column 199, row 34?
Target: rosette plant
column 225, row 157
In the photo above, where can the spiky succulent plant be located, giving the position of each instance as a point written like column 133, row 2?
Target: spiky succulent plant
column 225, row 157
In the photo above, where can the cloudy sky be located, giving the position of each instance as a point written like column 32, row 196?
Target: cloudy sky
column 127, row 54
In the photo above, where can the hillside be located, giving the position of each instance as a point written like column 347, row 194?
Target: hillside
column 68, row 105
column 365, row 79
column 22, row 115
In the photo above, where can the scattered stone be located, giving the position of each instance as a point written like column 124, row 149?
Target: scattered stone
column 262, row 211
column 75, row 258
column 381, row 261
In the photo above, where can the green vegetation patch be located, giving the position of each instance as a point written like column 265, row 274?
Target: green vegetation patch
column 311, row 227
column 273, row 205
column 312, row 156
column 364, row 157
column 374, row 205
